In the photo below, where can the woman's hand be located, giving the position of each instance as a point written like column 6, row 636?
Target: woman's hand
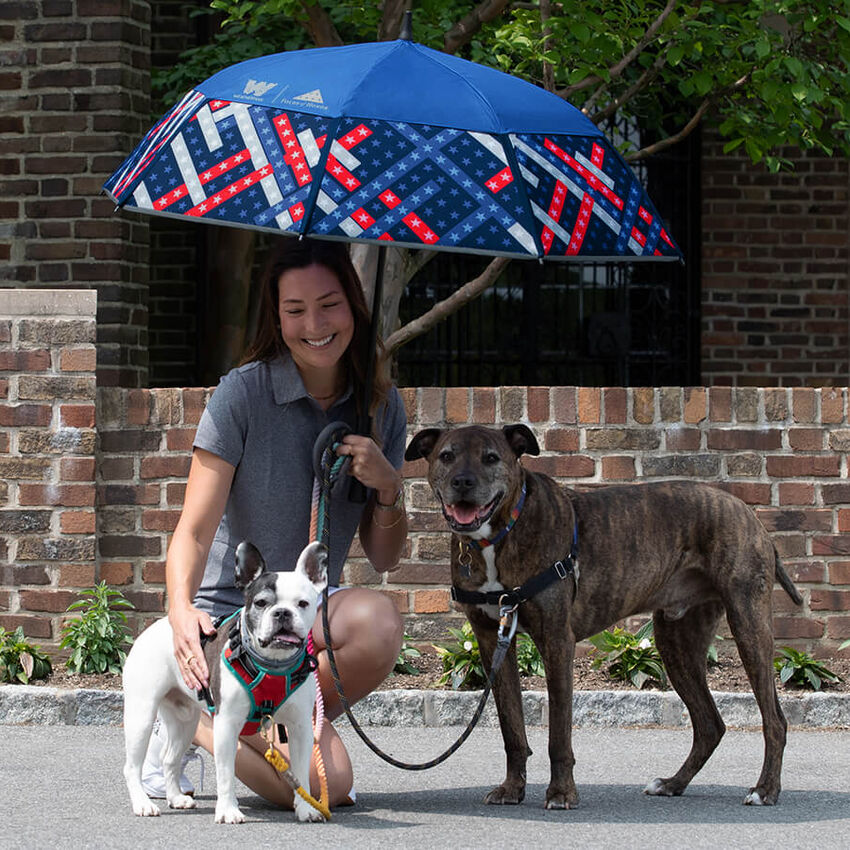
column 370, row 466
column 186, row 626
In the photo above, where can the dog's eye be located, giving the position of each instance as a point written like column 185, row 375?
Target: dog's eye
column 447, row 455
column 303, row 604
column 261, row 603
column 491, row 457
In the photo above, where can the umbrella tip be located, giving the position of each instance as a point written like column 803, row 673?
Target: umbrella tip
column 406, row 33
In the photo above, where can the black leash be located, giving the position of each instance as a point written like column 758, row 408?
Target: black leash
column 324, row 462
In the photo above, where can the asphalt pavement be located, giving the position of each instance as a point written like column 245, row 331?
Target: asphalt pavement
column 62, row 787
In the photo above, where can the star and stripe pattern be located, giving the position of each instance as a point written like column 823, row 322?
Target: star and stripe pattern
column 371, row 180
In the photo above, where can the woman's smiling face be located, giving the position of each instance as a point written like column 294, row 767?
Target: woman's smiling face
column 316, row 321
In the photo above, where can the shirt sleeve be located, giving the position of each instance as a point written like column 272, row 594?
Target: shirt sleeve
column 395, row 429
column 223, row 428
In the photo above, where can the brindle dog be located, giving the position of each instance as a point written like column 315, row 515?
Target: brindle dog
column 687, row 552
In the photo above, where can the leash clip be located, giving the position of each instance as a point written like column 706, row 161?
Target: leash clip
column 508, row 620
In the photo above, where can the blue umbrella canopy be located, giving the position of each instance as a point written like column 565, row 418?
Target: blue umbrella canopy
column 393, row 142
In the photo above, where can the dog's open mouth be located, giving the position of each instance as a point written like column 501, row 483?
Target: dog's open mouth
column 466, row 516
column 284, row 639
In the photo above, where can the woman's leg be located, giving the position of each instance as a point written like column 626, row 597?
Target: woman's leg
column 253, row 769
column 366, row 635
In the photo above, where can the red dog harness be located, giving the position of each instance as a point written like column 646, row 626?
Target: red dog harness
column 268, row 689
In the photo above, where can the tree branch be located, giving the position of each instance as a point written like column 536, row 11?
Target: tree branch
column 616, row 70
column 319, row 25
column 645, row 79
column 463, row 31
column 548, row 70
column 470, row 290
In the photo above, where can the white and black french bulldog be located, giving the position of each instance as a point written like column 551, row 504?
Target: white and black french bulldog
column 267, row 636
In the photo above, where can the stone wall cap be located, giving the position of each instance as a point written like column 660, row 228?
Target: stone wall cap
column 48, row 302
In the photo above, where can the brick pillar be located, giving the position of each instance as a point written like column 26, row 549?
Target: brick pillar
column 74, row 81
column 47, row 455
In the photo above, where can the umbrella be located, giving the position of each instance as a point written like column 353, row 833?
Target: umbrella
column 393, row 142
column 396, row 142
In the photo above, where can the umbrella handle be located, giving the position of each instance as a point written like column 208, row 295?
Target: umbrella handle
column 357, row 490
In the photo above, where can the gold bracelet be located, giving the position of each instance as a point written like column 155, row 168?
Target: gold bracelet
column 393, row 524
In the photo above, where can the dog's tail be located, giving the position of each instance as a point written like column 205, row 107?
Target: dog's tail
column 784, row 579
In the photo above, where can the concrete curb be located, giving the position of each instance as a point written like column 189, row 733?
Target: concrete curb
column 27, row 705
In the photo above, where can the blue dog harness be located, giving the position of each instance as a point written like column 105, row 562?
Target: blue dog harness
column 267, row 688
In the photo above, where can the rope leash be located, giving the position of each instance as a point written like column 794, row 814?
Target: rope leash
column 327, row 466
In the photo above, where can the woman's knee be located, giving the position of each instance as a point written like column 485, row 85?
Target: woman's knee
column 372, row 618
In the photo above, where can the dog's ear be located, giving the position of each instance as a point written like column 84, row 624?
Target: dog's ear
column 521, row 440
column 423, row 443
column 249, row 564
column 313, row 562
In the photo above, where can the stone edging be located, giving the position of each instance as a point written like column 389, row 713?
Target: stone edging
column 24, row 705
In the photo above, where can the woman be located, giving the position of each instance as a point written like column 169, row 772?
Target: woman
column 251, row 478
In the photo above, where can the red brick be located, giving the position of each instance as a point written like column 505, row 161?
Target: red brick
column 695, row 405
column 806, row 439
column 76, row 575
column 483, row 406
column 750, row 492
column 17, row 415
column 153, row 572
column 564, row 405
column 744, row 440
column 77, row 469
column 683, row 439
column 589, row 405
column 34, row 627
column 803, row 403
column 839, row 572
column 457, row 405
column 720, row 404
column 538, row 404
column 179, row 439
column 77, row 415
column 565, row 466
column 561, row 440
column 829, row 600
column 618, row 468
column 160, row 520
column 24, row 361
column 78, row 359
column 399, row 598
column 161, row 466
column 116, row 572
column 66, row 495
column 431, row 406
column 194, row 401
column 823, row 544
column 77, row 522
column 832, row 405
column 787, row 628
column 643, row 405
column 431, row 601
column 138, row 407
column 796, row 493
column 54, row 601
column 175, row 494
column 799, row 466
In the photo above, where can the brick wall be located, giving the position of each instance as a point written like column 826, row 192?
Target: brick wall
column 47, row 455
column 75, row 91
column 775, row 274
column 784, row 451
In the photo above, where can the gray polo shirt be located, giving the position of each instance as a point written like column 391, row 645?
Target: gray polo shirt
column 261, row 420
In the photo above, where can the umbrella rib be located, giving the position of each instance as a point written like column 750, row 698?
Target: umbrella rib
column 312, row 198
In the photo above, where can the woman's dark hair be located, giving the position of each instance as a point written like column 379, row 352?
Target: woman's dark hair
column 292, row 253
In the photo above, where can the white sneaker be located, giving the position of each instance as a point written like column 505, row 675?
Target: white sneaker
column 153, row 778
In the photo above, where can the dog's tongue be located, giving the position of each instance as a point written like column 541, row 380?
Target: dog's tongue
column 463, row 514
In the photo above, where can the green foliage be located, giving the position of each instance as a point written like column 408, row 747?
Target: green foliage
column 21, row 661
column 630, row 657
column 97, row 638
column 462, row 665
column 800, row 668
column 712, row 658
column 403, row 662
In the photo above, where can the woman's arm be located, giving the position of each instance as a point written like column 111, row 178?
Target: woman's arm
column 207, row 490
column 383, row 526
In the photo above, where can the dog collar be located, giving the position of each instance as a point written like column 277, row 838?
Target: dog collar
column 486, row 542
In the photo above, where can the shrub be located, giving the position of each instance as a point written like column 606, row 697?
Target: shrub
column 21, row 661
column 97, row 639
column 629, row 657
column 403, row 662
column 801, row 669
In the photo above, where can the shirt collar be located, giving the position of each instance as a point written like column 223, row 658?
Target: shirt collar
column 287, row 383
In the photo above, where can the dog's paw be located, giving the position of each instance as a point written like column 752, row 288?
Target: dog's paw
column 505, row 795
column 305, row 813
column 760, row 797
column 147, row 809
column 182, row 801
column 561, row 800
column 228, row 814
column 662, row 788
